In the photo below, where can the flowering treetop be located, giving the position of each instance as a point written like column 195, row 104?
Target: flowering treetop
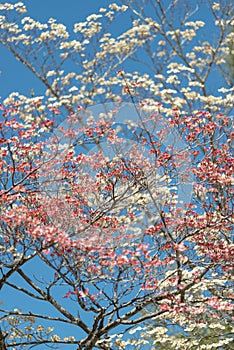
column 99, row 198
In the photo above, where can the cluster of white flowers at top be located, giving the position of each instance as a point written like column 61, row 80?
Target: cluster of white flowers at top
column 223, row 24
column 175, row 67
column 55, row 338
column 216, row 6
column 187, row 34
column 47, row 32
column 196, row 24
column 73, row 44
column 19, row 7
column 69, row 339
column 173, row 79
column 116, row 7
column 57, row 30
column 93, row 17
column 30, row 24
column 89, row 28
column 112, row 51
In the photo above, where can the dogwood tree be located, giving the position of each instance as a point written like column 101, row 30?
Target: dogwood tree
column 116, row 185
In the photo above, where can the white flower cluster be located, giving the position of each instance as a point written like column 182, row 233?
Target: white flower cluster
column 216, row 6
column 55, row 338
column 116, row 7
column 19, row 7
column 30, row 24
